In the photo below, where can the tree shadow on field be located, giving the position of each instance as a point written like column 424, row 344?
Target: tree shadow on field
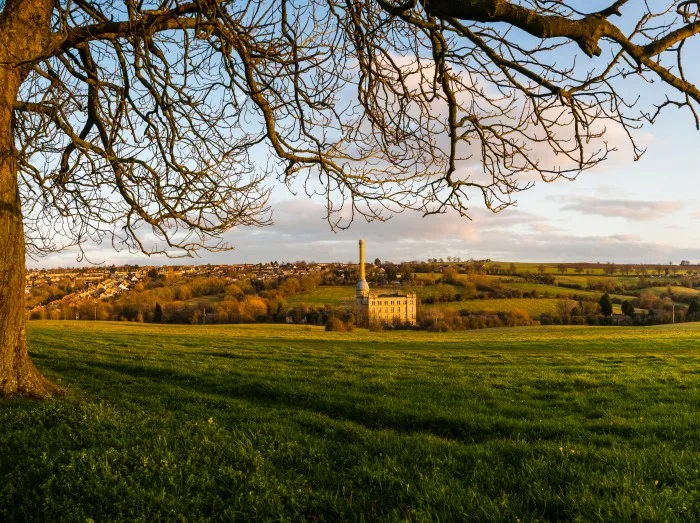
column 139, row 382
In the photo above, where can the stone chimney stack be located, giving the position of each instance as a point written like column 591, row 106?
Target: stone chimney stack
column 362, row 260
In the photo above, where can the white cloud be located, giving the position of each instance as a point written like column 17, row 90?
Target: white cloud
column 634, row 210
column 300, row 232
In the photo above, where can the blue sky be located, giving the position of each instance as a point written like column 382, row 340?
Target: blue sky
column 622, row 211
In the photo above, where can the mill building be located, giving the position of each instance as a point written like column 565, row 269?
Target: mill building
column 381, row 308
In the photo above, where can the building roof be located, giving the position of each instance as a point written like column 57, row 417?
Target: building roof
column 393, row 295
column 362, row 285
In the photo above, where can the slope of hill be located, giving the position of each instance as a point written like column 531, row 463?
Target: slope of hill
column 290, row 423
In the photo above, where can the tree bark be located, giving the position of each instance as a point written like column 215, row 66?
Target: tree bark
column 18, row 376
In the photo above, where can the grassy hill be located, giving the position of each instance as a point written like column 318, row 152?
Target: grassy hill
column 275, row 422
column 333, row 295
column 547, row 302
column 679, row 291
column 533, row 306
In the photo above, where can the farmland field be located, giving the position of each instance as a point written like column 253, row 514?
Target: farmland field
column 334, row 296
column 275, row 422
column 533, row 306
column 344, row 296
column 680, row 291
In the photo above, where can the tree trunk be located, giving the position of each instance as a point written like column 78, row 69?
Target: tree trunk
column 25, row 27
column 18, row 376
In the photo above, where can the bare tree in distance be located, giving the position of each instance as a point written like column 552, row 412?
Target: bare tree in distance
column 157, row 126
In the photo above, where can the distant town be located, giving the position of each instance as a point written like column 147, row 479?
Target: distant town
column 446, row 294
column 107, row 282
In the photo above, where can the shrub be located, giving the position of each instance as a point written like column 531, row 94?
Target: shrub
column 519, row 318
column 336, row 325
column 606, row 305
column 628, row 308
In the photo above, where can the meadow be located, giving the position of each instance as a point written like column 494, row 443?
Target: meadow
column 292, row 423
column 534, row 307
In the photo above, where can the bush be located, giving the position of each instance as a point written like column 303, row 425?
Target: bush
column 628, row 308
column 519, row 318
column 335, row 325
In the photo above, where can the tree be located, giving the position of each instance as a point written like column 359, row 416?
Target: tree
column 450, row 275
column 141, row 123
column 609, row 269
column 158, row 313
column 627, row 308
column 541, row 268
column 562, row 268
column 606, row 305
column 693, row 308
column 406, row 272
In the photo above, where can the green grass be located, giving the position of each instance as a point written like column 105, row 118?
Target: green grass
column 333, row 295
column 556, row 291
column 292, row 423
column 533, row 306
column 550, row 290
column 585, row 278
column 677, row 290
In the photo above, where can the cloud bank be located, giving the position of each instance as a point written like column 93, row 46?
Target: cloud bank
column 300, row 232
column 637, row 210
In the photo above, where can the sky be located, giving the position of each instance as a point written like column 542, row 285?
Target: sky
column 623, row 211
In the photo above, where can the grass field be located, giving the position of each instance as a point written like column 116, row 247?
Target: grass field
column 291, row 423
column 333, row 295
column 680, row 291
column 547, row 302
column 551, row 290
column 533, row 306
column 344, row 296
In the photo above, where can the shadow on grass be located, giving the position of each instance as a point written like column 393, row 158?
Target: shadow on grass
column 141, row 382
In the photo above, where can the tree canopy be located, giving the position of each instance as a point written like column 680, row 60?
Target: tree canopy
column 145, row 122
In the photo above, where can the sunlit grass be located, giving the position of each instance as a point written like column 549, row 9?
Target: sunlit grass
column 533, row 306
column 294, row 423
column 680, row 291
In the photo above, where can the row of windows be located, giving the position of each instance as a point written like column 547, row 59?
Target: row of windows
column 391, row 302
column 382, row 302
column 386, row 313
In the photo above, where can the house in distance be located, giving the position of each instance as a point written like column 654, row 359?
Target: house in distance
column 381, row 308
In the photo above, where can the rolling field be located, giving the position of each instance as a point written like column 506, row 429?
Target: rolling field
column 291, row 423
column 533, row 306
column 333, row 295
column 680, row 291
column 344, row 296
column 551, row 290
column 548, row 296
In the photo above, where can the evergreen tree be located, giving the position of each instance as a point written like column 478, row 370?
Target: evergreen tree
column 606, row 306
column 158, row 314
column 628, row 308
column 693, row 308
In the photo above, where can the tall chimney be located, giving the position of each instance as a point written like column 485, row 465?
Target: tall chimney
column 362, row 260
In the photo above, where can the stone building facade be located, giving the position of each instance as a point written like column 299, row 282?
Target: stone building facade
column 381, row 308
